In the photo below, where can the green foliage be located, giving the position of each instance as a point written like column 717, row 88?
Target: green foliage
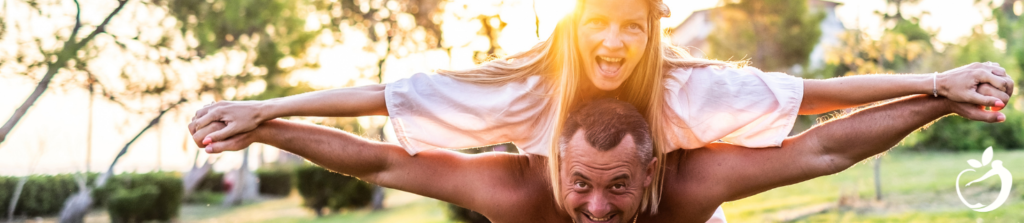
column 205, row 197
column 777, row 34
column 275, row 181
column 135, row 197
column 130, row 205
column 212, row 182
column 321, row 188
column 957, row 133
column 42, row 194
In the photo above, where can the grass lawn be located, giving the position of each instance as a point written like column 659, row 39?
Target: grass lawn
column 917, row 187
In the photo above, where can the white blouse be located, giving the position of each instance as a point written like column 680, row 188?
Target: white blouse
column 742, row 106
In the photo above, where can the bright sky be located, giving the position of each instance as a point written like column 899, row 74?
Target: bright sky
column 51, row 138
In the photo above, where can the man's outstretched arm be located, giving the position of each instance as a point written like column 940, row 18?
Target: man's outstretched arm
column 737, row 172
column 471, row 181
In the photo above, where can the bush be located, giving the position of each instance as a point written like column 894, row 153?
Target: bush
column 205, row 197
column 276, row 181
column 321, row 188
column 213, row 182
column 142, row 197
column 959, row 134
column 42, row 194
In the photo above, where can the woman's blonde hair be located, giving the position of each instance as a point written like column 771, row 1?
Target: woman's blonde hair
column 557, row 61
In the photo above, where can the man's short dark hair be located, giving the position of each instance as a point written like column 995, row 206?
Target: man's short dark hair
column 606, row 122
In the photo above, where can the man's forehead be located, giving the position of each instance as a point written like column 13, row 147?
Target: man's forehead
column 579, row 152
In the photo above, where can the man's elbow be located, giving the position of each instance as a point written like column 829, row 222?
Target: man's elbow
column 822, row 159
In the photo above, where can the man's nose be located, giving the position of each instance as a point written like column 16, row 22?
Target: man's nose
column 598, row 205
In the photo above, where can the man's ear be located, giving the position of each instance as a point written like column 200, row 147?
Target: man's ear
column 650, row 172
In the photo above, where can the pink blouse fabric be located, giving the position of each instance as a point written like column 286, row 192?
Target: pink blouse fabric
column 743, row 106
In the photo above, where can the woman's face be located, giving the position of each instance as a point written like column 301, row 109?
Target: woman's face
column 611, row 38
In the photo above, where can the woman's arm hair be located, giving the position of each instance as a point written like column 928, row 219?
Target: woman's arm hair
column 959, row 85
column 244, row 116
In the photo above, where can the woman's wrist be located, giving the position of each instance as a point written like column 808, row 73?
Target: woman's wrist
column 269, row 109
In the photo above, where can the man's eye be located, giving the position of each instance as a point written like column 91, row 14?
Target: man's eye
column 619, row 186
column 581, row 185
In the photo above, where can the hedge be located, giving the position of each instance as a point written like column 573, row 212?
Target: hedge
column 321, row 188
column 213, row 182
column 275, row 181
column 42, row 195
column 142, row 197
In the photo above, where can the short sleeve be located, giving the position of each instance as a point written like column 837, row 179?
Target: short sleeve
column 436, row 111
column 742, row 106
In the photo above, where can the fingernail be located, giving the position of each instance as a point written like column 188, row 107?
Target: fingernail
column 999, row 103
column 1001, row 118
column 209, row 149
column 207, row 141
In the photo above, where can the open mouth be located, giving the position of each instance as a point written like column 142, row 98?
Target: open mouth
column 609, row 66
column 595, row 219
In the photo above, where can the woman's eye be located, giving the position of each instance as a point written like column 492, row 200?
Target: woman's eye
column 635, row 26
column 595, row 23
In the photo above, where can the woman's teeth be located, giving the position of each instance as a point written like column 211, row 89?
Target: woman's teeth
column 609, row 65
column 610, row 59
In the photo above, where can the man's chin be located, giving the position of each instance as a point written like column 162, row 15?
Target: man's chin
column 614, row 218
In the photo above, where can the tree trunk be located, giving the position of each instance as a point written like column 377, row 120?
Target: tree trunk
column 878, row 179
column 102, row 179
column 77, row 206
column 15, row 197
column 69, row 51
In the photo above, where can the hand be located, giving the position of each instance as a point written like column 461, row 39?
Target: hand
column 977, row 112
column 238, row 116
column 962, row 84
column 235, row 143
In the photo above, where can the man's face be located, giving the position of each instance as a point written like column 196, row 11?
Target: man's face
column 603, row 186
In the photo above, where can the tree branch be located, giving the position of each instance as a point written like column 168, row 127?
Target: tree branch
column 69, row 51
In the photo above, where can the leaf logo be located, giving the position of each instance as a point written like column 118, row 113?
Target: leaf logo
column 997, row 170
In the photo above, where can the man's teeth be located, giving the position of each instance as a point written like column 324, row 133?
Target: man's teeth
column 611, row 59
column 598, row 219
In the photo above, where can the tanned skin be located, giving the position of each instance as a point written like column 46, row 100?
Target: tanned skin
column 514, row 188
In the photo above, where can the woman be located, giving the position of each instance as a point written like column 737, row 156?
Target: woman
column 604, row 48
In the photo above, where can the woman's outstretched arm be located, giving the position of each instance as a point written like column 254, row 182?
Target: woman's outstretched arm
column 244, row 116
column 959, row 85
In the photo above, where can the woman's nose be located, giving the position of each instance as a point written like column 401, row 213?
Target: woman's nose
column 612, row 38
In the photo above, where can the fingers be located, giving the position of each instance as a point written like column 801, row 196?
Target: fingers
column 1001, row 97
column 979, row 98
column 201, row 134
column 224, row 133
column 236, row 143
column 973, row 113
column 208, row 118
column 192, row 127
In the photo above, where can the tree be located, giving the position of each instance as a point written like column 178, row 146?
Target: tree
column 776, row 34
column 64, row 56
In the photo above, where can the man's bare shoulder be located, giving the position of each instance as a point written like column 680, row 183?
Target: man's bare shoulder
column 689, row 194
column 523, row 193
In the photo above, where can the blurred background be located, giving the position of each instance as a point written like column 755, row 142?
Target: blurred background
column 108, row 86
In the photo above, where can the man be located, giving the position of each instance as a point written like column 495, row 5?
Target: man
column 607, row 163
